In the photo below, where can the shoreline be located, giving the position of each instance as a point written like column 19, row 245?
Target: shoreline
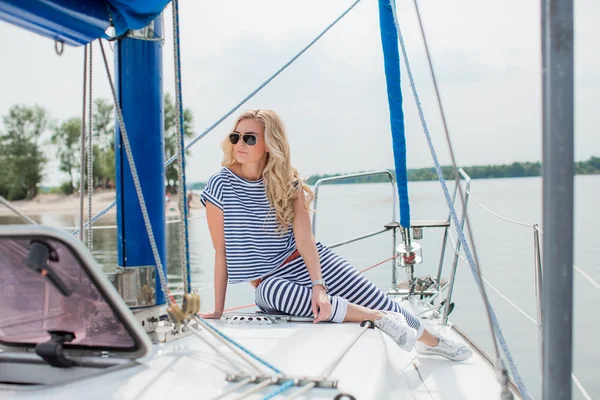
column 61, row 204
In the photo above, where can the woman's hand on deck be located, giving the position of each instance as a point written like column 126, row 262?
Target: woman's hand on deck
column 212, row 315
column 321, row 306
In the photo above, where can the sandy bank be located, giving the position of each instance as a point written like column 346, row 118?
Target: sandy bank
column 70, row 205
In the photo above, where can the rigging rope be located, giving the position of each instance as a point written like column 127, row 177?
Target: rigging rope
column 184, row 250
column 90, row 157
column 365, row 325
column 218, row 351
column 586, row 276
column 495, row 325
column 81, row 170
column 512, row 221
column 205, row 324
column 535, row 227
column 100, row 227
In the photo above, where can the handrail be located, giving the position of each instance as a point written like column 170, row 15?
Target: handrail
column 356, row 239
column 394, row 204
column 347, row 177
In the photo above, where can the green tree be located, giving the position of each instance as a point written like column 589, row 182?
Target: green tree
column 104, row 143
column 594, row 163
column 104, row 166
column 66, row 137
column 171, row 135
column 21, row 156
column 103, row 150
column 102, row 147
column 104, row 133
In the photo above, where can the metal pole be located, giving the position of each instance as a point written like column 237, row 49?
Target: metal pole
column 394, row 203
column 457, row 251
column 138, row 70
column 410, row 269
column 558, row 171
column 394, row 234
column 395, row 260
column 315, row 204
column 445, row 241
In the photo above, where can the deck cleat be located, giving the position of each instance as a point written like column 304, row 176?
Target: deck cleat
column 176, row 314
column 190, row 305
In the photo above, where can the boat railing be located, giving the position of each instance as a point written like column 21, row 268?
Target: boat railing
column 416, row 228
column 346, row 177
column 456, row 248
column 537, row 252
column 392, row 226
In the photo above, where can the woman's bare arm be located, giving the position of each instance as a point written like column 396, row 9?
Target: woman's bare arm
column 214, row 217
column 305, row 241
column 307, row 247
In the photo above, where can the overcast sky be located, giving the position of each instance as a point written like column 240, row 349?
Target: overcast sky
column 333, row 99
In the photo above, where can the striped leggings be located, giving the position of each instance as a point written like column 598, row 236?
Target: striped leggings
column 288, row 290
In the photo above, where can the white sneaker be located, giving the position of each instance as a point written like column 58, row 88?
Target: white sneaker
column 445, row 348
column 399, row 331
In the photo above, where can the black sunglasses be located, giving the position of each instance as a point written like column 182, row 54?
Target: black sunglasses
column 250, row 140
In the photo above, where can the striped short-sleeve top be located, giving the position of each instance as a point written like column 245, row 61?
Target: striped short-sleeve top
column 253, row 247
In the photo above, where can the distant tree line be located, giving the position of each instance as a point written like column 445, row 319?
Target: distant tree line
column 29, row 137
column 514, row 170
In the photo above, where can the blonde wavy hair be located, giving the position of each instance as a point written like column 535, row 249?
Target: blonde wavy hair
column 279, row 176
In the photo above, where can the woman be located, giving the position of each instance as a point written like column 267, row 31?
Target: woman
column 257, row 212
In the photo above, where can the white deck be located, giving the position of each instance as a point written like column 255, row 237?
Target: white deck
column 374, row 368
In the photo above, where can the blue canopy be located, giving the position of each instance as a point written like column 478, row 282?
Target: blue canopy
column 77, row 22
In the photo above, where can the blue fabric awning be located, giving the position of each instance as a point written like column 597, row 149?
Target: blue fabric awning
column 77, row 22
column 134, row 14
